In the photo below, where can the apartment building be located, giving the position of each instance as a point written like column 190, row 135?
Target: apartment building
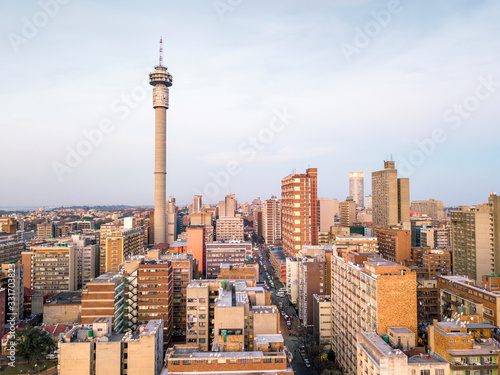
column 369, row 293
column 476, row 239
column 11, row 247
column 271, row 221
column 328, row 209
column 121, row 245
column 360, row 244
column 348, row 212
column 273, row 359
column 377, row 356
column 322, row 326
column 431, row 208
column 312, row 280
column 394, row 244
column 299, row 219
column 436, row 262
column 292, row 279
column 14, row 291
column 277, row 259
column 46, row 230
column 229, row 229
column 51, row 268
column 459, row 294
column 435, row 238
column 232, row 252
column 247, row 271
column 97, row 350
column 466, row 343
column 104, row 297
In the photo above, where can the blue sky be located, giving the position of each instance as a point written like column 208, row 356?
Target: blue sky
column 419, row 70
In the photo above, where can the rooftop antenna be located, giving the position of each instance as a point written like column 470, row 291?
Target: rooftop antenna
column 161, row 50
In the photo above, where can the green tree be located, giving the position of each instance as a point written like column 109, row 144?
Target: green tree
column 33, row 344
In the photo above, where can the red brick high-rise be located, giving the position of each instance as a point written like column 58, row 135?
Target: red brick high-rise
column 299, row 207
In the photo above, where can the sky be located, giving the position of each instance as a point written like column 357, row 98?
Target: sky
column 260, row 89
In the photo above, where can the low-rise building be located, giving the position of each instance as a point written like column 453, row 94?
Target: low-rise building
column 278, row 261
column 63, row 308
column 232, row 252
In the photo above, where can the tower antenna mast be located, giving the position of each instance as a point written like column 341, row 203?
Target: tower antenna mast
column 161, row 51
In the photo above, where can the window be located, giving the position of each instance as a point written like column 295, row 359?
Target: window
column 244, row 360
column 186, row 362
column 440, row 372
column 267, row 360
column 278, row 360
column 425, row 372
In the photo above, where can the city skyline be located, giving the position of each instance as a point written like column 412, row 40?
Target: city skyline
column 262, row 90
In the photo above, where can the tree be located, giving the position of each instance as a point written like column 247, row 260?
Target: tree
column 33, row 344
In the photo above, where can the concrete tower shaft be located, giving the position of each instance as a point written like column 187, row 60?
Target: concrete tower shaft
column 161, row 80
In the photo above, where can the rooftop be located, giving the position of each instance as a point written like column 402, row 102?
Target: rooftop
column 417, row 359
column 65, row 298
column 267, row 339
column 108, row 277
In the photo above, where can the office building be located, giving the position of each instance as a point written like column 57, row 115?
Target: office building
column 390, row 197
column 271, row 221
column 196, row 246
column 476, row 239
column 356, row 188
column 229, row 229
column 435, row 238
column 299, row 193
column 277, row 258
column 360, row 244
column 292, row 279
column 369, row 293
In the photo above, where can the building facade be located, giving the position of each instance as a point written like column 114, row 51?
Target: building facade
column 299, row 194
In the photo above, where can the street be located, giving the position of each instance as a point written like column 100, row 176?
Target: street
column 292, row 342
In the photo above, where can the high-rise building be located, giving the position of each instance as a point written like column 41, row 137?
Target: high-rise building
column 8, row 225
column 431, row 208
column 161, row 80
column 104, row 297
column 369, row 293
column 394, row 244
column 11, row 275
column 312, row 280
column 476, row 239
column 271, row 221
column 196, row 247
column 299, row 211
column 228, row 206
column 121, row 245
column 328, row 209
column 391, row 197
column 46, row 230
column 197, row 204
column 11, row 247
column 348, row 212
column 51, row 268
column 230, row 229
column 171, row 220
column 357, row 189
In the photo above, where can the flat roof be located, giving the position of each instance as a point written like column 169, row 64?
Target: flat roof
column 401, row 330
column 266, row 339
column 416, row 359
column 108, row 277
column 65, row 298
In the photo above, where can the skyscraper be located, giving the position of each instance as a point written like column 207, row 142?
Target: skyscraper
column 299, row 210
column 271, row 221
column 161, row 80
column 356, row 188
column 228, row 206
column 197, row 204
column 391, row 197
